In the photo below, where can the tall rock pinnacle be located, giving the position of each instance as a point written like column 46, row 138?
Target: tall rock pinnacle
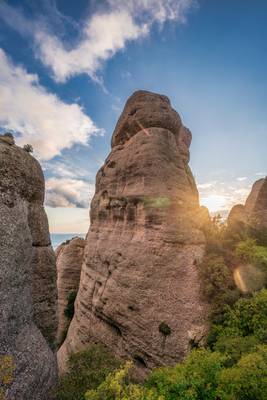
column 139, row 292
column 27, row 276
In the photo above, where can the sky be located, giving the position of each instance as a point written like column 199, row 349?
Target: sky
column 67, row 68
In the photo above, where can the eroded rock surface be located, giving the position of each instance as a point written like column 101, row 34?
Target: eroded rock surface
column 69, row 264
column 27, row 276
column 140, row 265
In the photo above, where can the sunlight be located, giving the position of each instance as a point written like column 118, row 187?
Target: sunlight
column 214, row 202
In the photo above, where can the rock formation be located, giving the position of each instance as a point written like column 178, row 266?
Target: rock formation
column 254, row 212
column 69, row 264
column 27, row 276
column 139, row 292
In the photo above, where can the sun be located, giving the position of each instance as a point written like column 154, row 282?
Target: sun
column 214, row 202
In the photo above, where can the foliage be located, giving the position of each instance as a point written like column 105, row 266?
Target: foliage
column 249, row 251
column 247, row 380
column 28, row 148
column 248, row 317
column 87, row 370
column 7, row 368
column 214, row 233
column 69, row 310
column 235, row 346
column 204, row 375
column 217, row 282
column 259, row 234
column 117, row 387
column 164, row 329
column 195, row 378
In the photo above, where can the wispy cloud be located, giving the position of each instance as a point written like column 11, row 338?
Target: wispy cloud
column 40, row 117
column 63, row 192
column 103, row 33
column 242, row 178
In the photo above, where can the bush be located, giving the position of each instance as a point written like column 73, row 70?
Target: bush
column 7, row 368
column 117, row 387
column 28, row 148
column 217, row 282
column 164, row 329
column 249, row 251
column 195, row 378
column 69, row 310
column 248, row 317
column 247, row 380
column 235, row 346
column 87, row 370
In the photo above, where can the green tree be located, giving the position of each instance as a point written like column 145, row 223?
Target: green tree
column 248, row 317
column 87, row 369
column 217, row 282
column 117, row 387
column 195, row 378
column 247, row 380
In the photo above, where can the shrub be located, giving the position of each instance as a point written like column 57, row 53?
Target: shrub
column 117, row 387
column 247, row 380
column 87, row 369
column 235, row 346
column 249, row 251
column 28, row 148
column 217, row 282
column 248, row 317
column 195, row 378
column 7, row 368
column 69, row 310
column 164, row 329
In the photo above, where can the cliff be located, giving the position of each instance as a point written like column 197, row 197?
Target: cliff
column 27, row 276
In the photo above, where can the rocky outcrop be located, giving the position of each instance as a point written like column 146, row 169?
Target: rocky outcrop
column 69, row 264
column 254, row 212
column 139, row 292
column 27, row 276
column 237, row 214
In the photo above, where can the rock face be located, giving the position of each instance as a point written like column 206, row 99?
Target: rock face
column 254, row 212
column 27, row 276
column 69, row 264
column 139, row 292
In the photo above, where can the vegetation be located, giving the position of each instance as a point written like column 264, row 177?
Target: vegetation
column 87, row 370
column 232, row 366
column 28, row 148
column 7, row 368
column 164, row 329
column 118, row 386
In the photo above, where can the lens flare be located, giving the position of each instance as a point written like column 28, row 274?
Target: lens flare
column 249, row 278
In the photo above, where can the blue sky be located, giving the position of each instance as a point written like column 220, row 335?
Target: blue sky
column 68, row 67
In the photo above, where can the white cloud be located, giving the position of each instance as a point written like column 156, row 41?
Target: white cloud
column 242, row 178
column 63, row 192
column 103, row 33
column 206, row 185
column 222, row 196
column 41, row 118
